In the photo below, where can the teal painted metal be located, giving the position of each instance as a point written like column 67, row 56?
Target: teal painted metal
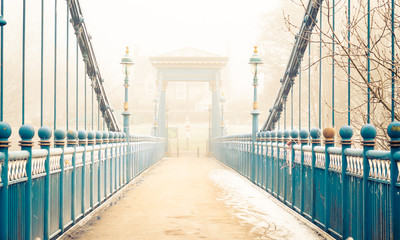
column 291, row 108
column 82, row 135
column 348, row 62
column 26, row 132
column 67, row 72
column 57, row 190
column 303, row 141
column 368, row 133
column 92, row 108
column 77, row 87
column 346, row 132
column 329, row 143
column 315, row 134
column 2, row 23
column 127, row 62
column 23, row 58
column 71, row 143
column 91, row 143
column 394, row 134
column 85, row 90
column 255, row 60
column 55, row 66
column 320, row 70
column 41, row 62
column 300, row 93
column 358, row 202
column 309, row 86
column 333, row 63
column 59, row 142
column 45, row 135
column 368, row 60
column 5, row 133
column 392, row 16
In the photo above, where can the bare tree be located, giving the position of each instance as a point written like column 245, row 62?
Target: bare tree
column 359, row 47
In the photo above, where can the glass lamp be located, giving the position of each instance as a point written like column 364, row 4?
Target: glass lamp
column 127, row 63
column 255, row 60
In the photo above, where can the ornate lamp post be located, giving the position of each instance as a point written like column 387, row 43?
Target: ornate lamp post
column 255, row 60
column 222, row 100
column 127, row 64
column 155, row 116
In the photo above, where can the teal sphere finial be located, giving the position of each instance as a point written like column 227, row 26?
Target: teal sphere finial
column 72, row 135
column 105, row 135
column 286, row 134
column 279, row 134
column 303, row 133
column 273, row 133
column 393, row 130
column 91, row 135
column 5, row 131
column 82, row 134
column 60, row 134
column 44, row 133
column 346, row 132
column 26, row 132
column 368, row 132
column 2, row 21
column 99, row 135
column 111, row 135
column 315, row 133
column 268, row 134
column 294, row 133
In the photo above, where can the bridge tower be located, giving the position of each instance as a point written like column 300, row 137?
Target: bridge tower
column 189, row 65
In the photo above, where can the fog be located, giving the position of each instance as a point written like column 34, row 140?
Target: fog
column 150, row 28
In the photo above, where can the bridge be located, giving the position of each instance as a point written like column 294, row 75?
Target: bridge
column 325, row 163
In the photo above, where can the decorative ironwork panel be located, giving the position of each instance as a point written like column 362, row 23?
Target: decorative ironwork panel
column 307, row 158
column 355, row 165
column 379, row 169
column 320, row 160
column 335, row 161
column 17, row 168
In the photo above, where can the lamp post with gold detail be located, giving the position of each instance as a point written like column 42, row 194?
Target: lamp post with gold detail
column 127, row 64
column 255, row 60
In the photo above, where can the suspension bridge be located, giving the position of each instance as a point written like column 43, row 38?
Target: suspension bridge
column 341, row 181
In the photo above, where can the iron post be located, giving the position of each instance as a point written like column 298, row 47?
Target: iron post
column 329, row 135
column 254, row 61
column 127, row 64
column 59, row 142
column 45, row 135
column 26, row 132
column 5, row 133
column 346, row 132
column 82, row 136
column 394, row 134
column 368, row 133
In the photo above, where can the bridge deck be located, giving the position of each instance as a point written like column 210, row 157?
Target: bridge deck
column 193, row 198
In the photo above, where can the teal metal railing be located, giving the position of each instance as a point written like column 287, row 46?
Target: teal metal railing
column 45, row 191
column 345, row 191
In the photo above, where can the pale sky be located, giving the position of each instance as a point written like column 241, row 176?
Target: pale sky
column 158, row 26
column 153, row 27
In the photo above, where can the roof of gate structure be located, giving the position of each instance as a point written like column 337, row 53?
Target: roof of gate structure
column 188, row 58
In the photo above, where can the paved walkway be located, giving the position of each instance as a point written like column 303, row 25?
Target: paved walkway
column 193, row 198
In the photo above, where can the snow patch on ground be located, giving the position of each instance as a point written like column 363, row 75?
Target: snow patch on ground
column 254, row 206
